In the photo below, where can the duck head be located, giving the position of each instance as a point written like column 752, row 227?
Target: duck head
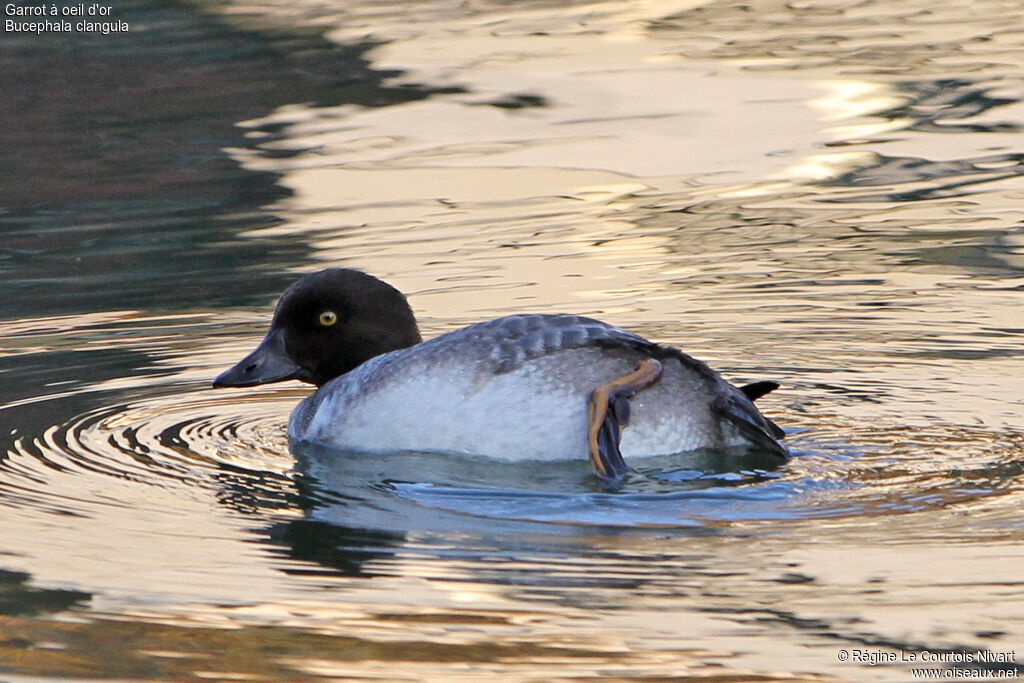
column 326, row 324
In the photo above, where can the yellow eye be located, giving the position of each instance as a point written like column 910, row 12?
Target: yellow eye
column 328, row 318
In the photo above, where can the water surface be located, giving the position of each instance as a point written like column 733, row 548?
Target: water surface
column 827, row 195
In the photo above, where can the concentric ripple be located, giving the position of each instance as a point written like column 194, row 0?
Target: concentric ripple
column 182, row 435
column 179, row 436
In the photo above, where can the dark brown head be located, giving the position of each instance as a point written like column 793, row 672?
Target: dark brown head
column 326, row 324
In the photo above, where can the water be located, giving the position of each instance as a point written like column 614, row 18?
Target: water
column 825, row 194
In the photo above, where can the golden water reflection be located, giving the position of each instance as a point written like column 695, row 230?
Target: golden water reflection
column 712, row 607
column 826, row 196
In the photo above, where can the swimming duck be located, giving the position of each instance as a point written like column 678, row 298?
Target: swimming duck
column 516, row 387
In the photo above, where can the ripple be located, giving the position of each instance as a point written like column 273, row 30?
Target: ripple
column 951, row 467
column 178, row 436
column 181, row 436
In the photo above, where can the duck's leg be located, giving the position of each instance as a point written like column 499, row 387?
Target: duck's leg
column 608, row 413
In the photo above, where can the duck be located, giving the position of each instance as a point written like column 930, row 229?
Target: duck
column 526, row 386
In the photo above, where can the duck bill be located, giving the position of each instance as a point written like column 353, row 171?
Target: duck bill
column 268, row 363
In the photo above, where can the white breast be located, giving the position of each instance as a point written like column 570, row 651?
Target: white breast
column 537, row 411
column 523, row 414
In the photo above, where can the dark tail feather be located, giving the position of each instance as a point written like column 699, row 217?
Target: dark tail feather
column 758, row 389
